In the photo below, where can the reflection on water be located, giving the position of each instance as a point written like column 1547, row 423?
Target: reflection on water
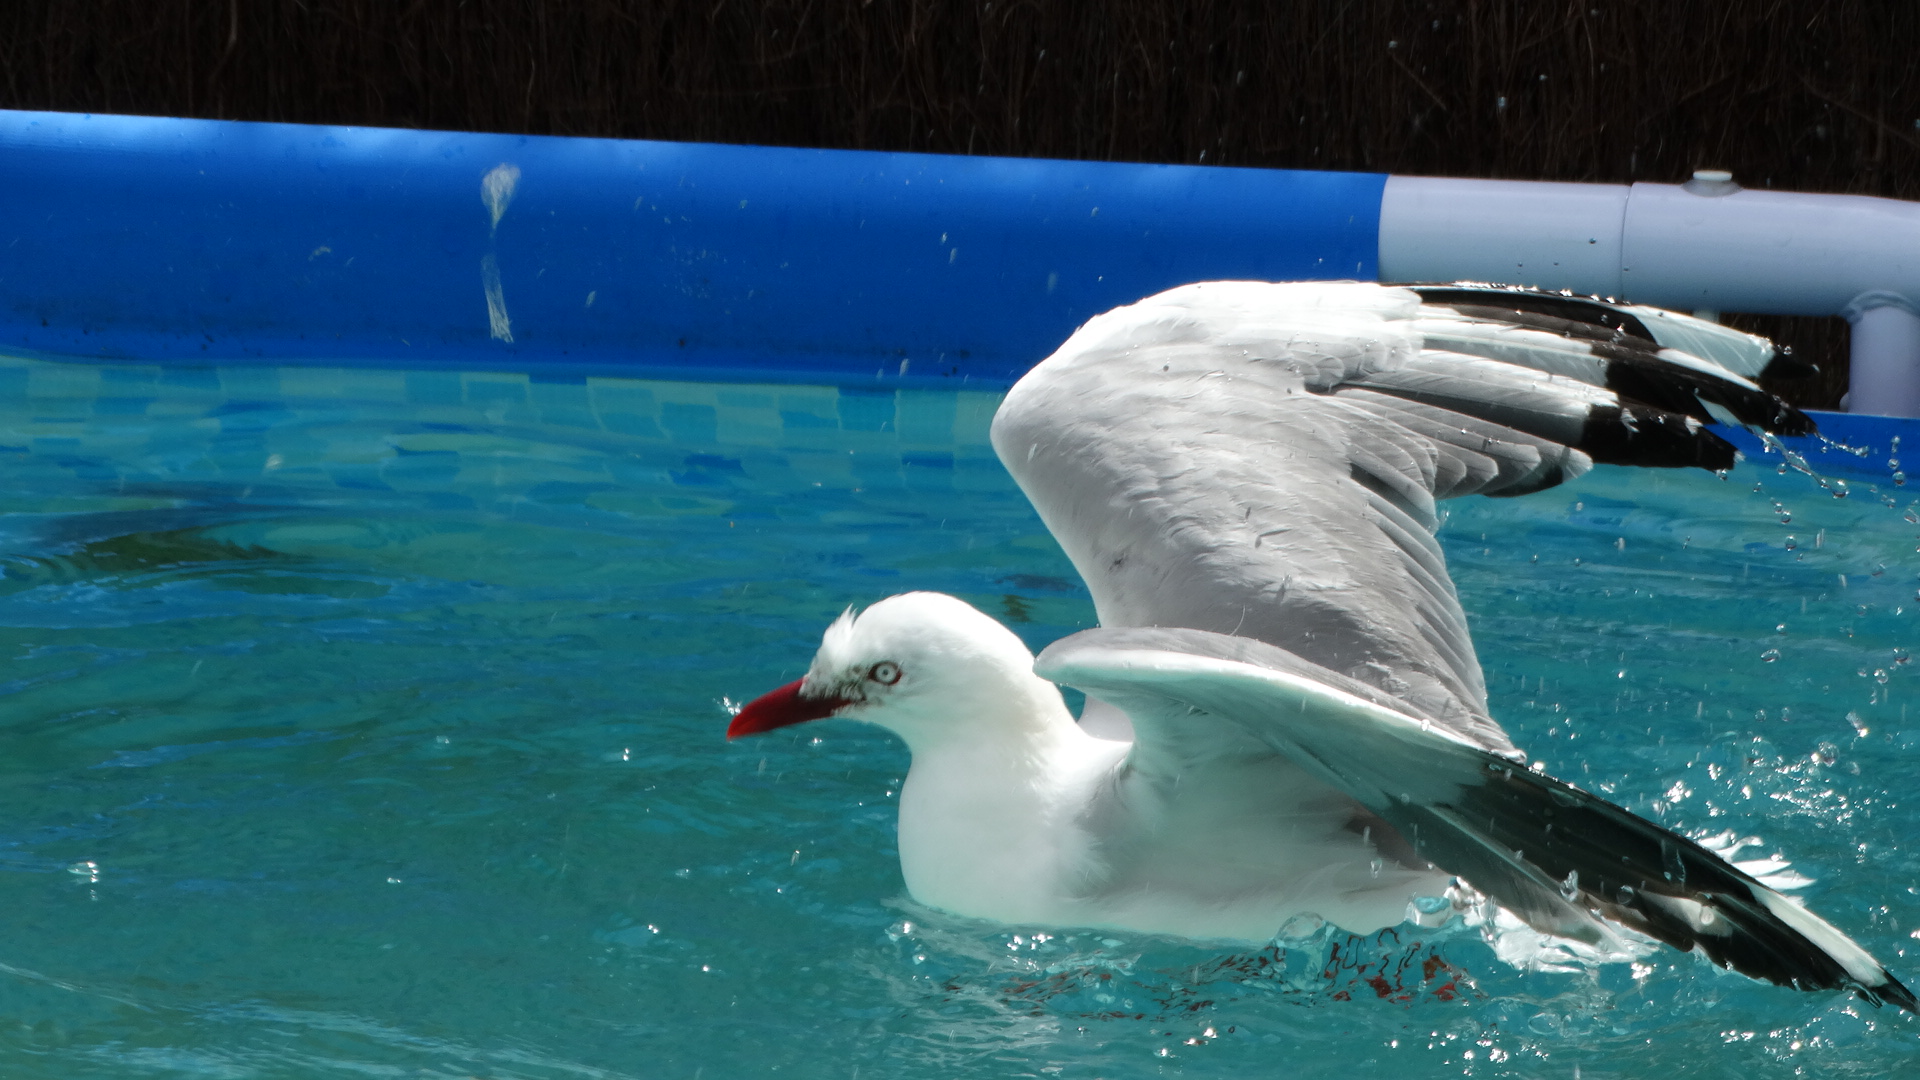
column 369, row 723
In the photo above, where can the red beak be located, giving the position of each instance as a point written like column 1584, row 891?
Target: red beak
column 782, row 708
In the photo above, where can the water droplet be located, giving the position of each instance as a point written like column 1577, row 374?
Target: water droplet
column 1300, row 926
column 1625, row 894
column 1880, row 676
column 1770, row 656
column 1570, row 888
column 1792, row 543
column 1373, row 867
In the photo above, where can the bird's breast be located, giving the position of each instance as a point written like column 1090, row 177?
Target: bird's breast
column 997, row 836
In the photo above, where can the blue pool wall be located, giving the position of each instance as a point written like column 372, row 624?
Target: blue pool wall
column 214, row 243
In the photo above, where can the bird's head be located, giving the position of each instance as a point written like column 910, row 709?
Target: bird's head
column 911, row 663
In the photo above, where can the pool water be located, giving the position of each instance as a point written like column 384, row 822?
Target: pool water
column 370, row 723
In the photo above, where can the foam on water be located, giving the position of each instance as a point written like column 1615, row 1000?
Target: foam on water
column 370, row 723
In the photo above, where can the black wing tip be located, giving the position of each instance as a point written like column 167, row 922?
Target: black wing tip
column 1634, row 367
column 1786, row 367
column 1893, row 990
column 1651, row 438
column 1590, row 310
column 1627, row 870
column 1671, row 387
column 1788, row 420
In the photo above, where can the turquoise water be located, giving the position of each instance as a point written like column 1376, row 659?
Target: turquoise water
column 369, row 723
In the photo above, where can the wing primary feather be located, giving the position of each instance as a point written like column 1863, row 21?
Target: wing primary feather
column 1560, row 858
column 1594, row 421
column 1527, row 463
column 1653, row 880
column 1631, row 367
column 1588, row 854
column 1649, row 437
column 1684, row 390
column 1639, row 329
column 1570, row 308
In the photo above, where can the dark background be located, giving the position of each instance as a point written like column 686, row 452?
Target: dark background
column 1796, row 94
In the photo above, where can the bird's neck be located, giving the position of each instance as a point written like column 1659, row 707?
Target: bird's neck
column 981, row 832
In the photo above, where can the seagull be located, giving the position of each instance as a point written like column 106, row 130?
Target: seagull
column 1285, row 717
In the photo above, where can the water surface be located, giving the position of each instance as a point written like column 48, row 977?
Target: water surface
column 369, row 723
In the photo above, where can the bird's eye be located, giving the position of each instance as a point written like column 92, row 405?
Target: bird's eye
column 886, row 673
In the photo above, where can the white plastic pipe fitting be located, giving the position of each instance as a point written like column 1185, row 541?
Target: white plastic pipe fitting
column 1707, row 244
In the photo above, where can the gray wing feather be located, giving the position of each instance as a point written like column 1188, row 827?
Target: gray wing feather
column 1547, row 406
column 1263, row 460
column 1523, row 463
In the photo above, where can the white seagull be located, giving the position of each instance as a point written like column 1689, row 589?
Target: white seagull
column 1285, row 716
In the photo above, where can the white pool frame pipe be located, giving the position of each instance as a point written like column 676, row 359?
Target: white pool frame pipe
column 1707, row 245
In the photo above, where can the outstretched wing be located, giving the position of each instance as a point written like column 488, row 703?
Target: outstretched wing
column 1554, row 855
column 1263, row 460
